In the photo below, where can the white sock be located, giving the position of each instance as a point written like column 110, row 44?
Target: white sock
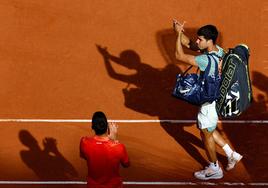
column 227, row 150
column 236, row 155
column 214, row 166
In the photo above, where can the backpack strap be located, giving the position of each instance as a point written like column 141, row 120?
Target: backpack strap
column 214, row 55
column 208, row 67
column 216, row 71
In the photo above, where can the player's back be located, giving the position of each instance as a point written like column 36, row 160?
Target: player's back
column 104, row 157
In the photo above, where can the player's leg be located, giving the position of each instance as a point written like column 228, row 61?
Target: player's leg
column 213, row 170
column 207, row 122
column 233, row 156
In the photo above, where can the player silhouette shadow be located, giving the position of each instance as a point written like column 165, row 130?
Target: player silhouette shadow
column 149, row 90
column 47, row 163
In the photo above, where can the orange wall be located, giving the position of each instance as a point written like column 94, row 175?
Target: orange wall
column 51, row 68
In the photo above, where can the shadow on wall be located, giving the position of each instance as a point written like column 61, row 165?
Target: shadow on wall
column 148, row 91
column 166, row 42
column 47, row 163
column 251, row 139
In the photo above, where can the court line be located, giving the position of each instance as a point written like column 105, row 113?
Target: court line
column 134, row 183
column 130, row 121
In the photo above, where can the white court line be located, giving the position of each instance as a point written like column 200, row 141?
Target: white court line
column 134, row 183
column 130, row 121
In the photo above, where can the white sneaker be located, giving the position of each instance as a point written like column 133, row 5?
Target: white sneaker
column 233, row 160
column 209, row 173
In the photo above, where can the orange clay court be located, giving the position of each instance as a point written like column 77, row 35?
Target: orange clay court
column 53, row 78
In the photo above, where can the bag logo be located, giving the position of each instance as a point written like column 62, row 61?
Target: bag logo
column 182, row 91
column 226, row 82
column 231, row 106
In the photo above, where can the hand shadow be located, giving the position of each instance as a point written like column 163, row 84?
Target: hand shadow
column 47, row 163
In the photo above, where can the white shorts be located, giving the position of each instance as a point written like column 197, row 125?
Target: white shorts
column 207, row 116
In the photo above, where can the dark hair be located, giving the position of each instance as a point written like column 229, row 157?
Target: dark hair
column 99, row 123
column 209, row 32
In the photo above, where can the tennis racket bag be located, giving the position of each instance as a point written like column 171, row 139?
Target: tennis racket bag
column 235, row 90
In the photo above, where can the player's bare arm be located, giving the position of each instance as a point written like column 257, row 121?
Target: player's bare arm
column 179, row 53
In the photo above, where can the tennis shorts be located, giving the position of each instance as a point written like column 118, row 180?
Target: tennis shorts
column 207, row 117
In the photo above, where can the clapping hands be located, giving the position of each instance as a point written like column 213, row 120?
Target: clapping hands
column 113, row 127
column 178, row 27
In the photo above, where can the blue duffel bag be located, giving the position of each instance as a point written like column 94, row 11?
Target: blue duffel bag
column 198, row 89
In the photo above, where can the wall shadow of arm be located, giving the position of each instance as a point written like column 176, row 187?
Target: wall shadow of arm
column 166, row 42
column 111, row 72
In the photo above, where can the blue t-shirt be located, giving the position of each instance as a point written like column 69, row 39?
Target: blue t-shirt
column 202, row 60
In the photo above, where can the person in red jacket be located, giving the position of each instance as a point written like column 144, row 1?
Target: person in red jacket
column 103, row 154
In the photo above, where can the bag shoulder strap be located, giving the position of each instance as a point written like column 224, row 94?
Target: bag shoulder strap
column 207, row 70
column 212, row 55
